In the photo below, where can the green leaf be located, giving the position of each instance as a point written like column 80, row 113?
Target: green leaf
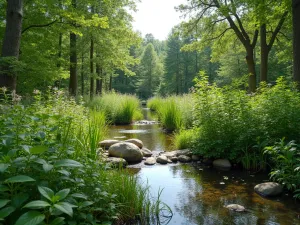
column 6, row 211
column 47, row 167
column 19, row 199
column 30, row 218
column 62, row 194
column 79, row 195
column 3, row 188
column 19, row 179
column 3, row 202
column 46, row 192
column 64, row 207
column 86, row 203
column 3, row 167
column 67, row 163
column 57, row 221
column 26, row 148
column 38, row 150
column 37, row 204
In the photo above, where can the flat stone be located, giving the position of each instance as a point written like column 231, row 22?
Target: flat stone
column 135, row 141
column 169, row 155
column 184, row 159
column 107, row 143
column 162, row 159
column 185, row 152
column 150, row 161
column 128, row 151
column 236, row 207
column 268, row 189
column 116, row 162
column 146, row 152
column 222, row 163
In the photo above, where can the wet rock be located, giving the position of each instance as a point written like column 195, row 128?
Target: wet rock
column 174, row 159
column 128, row 151
column 268, row 189
column 196, row 157
column 135, row 141
column 162, row 159
column 150, row 161
column 116, row 162
column 146, row 152
column 185, row 152
column 107, row 143
column 145, row 122
column 169, row 155
column 236, row 208
column 169, row 161
column 222, row 163
column 184, row 159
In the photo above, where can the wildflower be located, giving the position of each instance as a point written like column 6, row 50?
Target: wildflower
column 4, row 89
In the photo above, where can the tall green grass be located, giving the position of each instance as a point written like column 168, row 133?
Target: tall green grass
column 184, row 139
column 118, row 108
column 174, row 112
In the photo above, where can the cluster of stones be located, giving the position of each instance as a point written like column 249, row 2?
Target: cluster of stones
column 133, row 151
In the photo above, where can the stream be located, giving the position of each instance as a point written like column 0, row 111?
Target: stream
column 197, row 195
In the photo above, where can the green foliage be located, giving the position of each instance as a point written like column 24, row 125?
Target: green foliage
column 50, row 170
column 184, row 139
column 118, row 108
column 229, row 123
column 285, row 164
column 173, row 112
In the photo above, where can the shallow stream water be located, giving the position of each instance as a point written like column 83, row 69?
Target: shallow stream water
column 197, row 195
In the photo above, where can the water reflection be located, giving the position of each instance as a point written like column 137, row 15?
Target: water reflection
column 197, row 197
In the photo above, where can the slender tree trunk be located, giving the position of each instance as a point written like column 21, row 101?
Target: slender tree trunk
column 99, row 79
column 82, row 75
column 110, row 83
column 264, row 54
column 11, row 42
column 251, row 69
column 92, row 69
column 296, row 41
column 73, row 65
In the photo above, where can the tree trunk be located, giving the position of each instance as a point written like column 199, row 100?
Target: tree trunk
column 110, row 83
column 99, row 79
column 264, row 54
column 82, row 75
column 11, row 42
column 251, row 69
column 92, row 69
column 296, row 40
column 73, row 65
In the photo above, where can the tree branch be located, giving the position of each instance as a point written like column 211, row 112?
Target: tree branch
column 38, row 25
column 277, row 29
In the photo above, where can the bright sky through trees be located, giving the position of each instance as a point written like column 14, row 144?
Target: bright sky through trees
column 157, row 17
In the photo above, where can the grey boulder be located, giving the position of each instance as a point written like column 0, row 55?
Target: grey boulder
column 107, row 143
column 135, row 141
column 146, row 152
column 128, row 151
column 150, row 161
column 268, row 189
column 184, row 159
column 162, row 159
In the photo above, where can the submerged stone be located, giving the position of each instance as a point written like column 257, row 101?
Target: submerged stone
column 268, row 189
column 236, row 207
column 222, row 163
column 184, row 159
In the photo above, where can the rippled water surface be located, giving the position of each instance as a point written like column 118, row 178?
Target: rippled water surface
column 197, row 194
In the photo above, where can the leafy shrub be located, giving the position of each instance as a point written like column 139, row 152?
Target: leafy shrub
column 184, row 139
column 229, row 122
column 285, row 164
column 50, row 171
column 118, row 108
